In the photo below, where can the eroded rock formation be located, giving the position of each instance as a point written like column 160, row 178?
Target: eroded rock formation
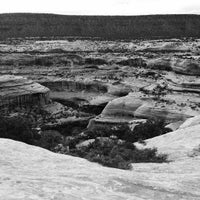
column 16, row 91
column 156, row 79
column 187, row 66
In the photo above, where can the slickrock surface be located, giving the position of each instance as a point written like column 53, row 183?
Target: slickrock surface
column 32, row 173
column 19, row 91
column 178, row 144
column 191, row 122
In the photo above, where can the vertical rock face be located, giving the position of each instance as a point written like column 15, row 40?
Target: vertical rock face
column 16, row 91
column 90, row 86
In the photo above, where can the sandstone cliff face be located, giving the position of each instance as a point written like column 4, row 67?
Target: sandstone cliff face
column 16, row 91
column 62, row 84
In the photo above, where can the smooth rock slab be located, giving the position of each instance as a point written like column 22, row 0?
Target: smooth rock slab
column 32, row 173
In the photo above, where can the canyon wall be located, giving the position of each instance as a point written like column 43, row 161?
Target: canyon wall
column 90, row 86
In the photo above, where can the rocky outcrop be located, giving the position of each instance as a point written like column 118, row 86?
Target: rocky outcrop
column 75, row 85
column 193, row 121
column 180, row 66
column 95, row 61
column 174, row 126
column 133, row 62
column 86, row 95
column 134, row 106
column 123, row 107
column 152, row 111
column 160, row 64
column 16, row 91
column 166, row 47
column 186, row 66
column 68, row 125
column 87, row 85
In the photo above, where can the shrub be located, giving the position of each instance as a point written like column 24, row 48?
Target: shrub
column 50, row 139
column 111, row 153
column 17, row 128
column 150, row 129
column 113, row 147
column 141, row 132
column 21, row 128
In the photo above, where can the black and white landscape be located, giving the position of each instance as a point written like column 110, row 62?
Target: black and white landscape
column 99, row 107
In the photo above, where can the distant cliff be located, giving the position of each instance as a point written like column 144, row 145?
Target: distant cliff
column 106, row 27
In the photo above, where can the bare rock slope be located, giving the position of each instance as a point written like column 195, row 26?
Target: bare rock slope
column 30, row 173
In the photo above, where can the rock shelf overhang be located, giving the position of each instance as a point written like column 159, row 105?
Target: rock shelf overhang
column 17, row 91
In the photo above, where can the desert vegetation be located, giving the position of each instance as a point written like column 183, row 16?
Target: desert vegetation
column 112, row 147
column 17, row 128
column 117, row 154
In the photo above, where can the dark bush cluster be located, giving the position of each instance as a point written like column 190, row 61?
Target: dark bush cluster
column 143, row 131
column 17, row 128
column 112, row 147
column 49, row 139
column 113, row 153
column 22, row 128
column 150, row 129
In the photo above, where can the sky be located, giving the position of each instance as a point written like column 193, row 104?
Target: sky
column 102, row 7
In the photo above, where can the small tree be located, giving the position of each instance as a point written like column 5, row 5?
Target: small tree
column 17, row 128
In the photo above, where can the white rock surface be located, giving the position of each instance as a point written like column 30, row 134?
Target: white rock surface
column 178, row 144
column 32, row 173
column 191, row 122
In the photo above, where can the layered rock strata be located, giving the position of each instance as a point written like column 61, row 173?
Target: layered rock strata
column 16, row 91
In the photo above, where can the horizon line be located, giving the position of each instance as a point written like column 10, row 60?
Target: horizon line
column 97, row 15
